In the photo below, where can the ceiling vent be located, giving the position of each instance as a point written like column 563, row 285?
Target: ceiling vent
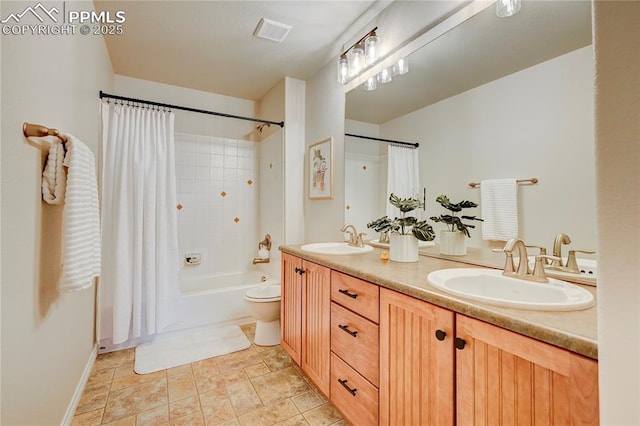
column 272, row 30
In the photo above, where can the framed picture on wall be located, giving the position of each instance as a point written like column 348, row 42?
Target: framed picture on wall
column 321, row 169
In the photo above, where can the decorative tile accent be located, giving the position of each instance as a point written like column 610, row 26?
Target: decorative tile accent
column 236, row 220
column 224, row 194
column 249, row 182
column 179, row 207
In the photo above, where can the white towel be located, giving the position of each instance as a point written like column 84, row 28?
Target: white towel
column 53, row 175
column 81, row 218
column 499, row 205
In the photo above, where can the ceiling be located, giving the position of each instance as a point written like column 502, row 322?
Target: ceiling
column 209, row 45
column 482, row 49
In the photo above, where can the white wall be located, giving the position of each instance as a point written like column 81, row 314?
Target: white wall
column 47, row 338
column 616, row 35
column 294, row 154
column 325, row 118
column 365, row 176
column 534, row 123
column 189, row 122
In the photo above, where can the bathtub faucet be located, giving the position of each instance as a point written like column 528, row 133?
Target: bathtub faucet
column 264, row 247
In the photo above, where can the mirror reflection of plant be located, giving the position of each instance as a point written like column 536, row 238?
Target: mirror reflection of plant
column 452, row 221
column 404, row 224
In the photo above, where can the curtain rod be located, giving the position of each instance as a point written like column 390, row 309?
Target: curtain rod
column 201, row 111
column 415, row 145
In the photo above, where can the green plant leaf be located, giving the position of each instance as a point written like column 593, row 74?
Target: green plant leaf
column 405, row 204
column 423, row 231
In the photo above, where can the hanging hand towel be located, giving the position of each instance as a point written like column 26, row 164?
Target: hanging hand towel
column 53, row 175
column 499, row 204
column 81, row 218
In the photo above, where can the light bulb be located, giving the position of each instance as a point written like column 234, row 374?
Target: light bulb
column 370, row 85
column 385, row 76
column 506, row 8
column 356, row 60
column 343, row 69
column 371, row 49
column 401, row 67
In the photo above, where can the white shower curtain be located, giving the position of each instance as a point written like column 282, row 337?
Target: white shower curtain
column 403, row 177
column 139, row 219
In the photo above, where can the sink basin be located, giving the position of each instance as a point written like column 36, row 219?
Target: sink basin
column 490, row 286
column 335, row 248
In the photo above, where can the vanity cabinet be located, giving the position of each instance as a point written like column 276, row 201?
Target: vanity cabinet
column 386, row 358
column 355, row 343
column 416, row 361
column 305, row 317
column 506, row 378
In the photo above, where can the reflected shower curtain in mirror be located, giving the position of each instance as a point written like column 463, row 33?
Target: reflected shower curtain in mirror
column 403, row 177
column 139, row 220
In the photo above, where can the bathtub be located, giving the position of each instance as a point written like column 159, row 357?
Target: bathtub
column 215, row 299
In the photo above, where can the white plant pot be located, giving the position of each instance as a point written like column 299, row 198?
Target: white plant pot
column 403, row 248
column 453, row 243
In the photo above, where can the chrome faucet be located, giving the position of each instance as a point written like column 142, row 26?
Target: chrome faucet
column 355, row 238
column 557, row 247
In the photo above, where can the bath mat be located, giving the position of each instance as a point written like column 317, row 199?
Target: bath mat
column 189, row 346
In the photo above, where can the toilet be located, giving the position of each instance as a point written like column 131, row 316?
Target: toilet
column 264, row 305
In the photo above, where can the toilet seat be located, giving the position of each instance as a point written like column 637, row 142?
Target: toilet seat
column 265, row 293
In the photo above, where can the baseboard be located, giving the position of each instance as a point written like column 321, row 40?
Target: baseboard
column 73, row 405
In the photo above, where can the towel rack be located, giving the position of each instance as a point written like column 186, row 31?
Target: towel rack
column 531, row 181
column 30, row 129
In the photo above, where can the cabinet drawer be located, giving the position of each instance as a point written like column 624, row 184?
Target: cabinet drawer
column 359, row 296
column 356, row 398
column 355, row 340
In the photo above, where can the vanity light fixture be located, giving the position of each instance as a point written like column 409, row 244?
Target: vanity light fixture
column 506, row 8
column 361, row 55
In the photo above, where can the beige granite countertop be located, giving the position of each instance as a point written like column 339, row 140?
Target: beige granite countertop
column 573, row 330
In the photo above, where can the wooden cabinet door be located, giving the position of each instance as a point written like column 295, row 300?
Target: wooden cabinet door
column 316, row 324
column 416, row 366
column 506, row 378
column 291, row 307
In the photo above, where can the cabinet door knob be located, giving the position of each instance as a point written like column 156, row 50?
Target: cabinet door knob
column 345, row 328
column 459, row 343
column 299, row 271
column 440, row 335
column 346, row 293
column 343, row 382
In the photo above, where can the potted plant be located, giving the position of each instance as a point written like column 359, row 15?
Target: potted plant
column 405, row 231
column 452, row 239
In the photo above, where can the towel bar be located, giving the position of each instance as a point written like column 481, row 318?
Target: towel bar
column 29, row 129
column 531, row 181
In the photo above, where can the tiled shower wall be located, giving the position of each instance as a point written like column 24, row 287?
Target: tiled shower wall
column 217, row 202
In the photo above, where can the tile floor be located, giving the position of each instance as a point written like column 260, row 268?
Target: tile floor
column 257, row 386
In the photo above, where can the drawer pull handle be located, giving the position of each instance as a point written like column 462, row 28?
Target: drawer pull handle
column 441, row 334
column 346, row 293
column 345, row 328
column 343, row 382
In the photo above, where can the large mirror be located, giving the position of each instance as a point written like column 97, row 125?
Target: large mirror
column 491, row 98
